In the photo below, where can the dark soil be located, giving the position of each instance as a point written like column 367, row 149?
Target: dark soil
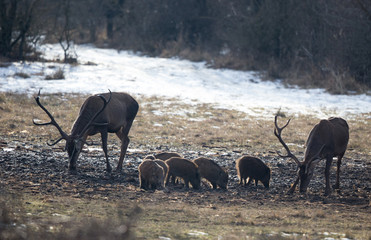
column 29, row 169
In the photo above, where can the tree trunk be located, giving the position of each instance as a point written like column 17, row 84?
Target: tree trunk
column 7, row 18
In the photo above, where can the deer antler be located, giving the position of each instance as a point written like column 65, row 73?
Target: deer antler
column 52, row 121
column 277, row 133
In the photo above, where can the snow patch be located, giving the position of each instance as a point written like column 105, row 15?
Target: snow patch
column 192, row 82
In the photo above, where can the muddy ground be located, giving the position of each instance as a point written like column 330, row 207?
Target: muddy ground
column 46, row 171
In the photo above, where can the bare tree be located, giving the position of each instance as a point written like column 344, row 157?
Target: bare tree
column 65, row 37
column 16, row 19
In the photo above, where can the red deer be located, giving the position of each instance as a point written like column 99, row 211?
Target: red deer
column 328, row 139
column 97, row 115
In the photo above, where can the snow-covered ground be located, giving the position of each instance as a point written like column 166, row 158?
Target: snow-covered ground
column 103, row 69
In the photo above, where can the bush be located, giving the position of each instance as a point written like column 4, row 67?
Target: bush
column 57, row 75
column 22, row 75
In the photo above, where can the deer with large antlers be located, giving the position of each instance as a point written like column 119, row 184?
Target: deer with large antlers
column 328, row 139
column 105, row 113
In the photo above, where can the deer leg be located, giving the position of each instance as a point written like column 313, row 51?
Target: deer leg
column 337, row 184
column 124, row 146
column 123, row 135
column 327, row 175
column 104, row 135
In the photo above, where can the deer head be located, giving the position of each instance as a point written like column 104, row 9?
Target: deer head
column 75, row 142
column 306, row 167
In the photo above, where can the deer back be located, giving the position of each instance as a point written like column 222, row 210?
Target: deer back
column 121, row 108
column 328, row 137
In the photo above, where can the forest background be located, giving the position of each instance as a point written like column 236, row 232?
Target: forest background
column 311, row 43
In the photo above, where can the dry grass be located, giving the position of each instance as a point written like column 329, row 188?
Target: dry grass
column 62, row 218
column 170, row 216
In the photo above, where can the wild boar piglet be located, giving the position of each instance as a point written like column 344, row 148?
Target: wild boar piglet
column 252, row 168
column 151, row 175
column 166, row 155
column 163, row 165
column 212, row 172
column 183, row 168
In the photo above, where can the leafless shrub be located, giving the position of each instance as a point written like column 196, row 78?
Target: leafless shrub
column 340, row 82
column 22, row 75
column 280, row 113
column 58, row 74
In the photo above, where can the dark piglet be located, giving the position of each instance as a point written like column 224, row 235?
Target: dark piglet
column 166, row 155
column 159, row 162
column 163, row 165
column 163, row 156
column 252, row 168
column 212, row 172
column 151, row 175
column 183, row 168
column 149, row 157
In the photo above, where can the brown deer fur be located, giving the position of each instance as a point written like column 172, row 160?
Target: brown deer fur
column 328, row 139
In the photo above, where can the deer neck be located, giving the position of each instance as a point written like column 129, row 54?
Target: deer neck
column 80, row 125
